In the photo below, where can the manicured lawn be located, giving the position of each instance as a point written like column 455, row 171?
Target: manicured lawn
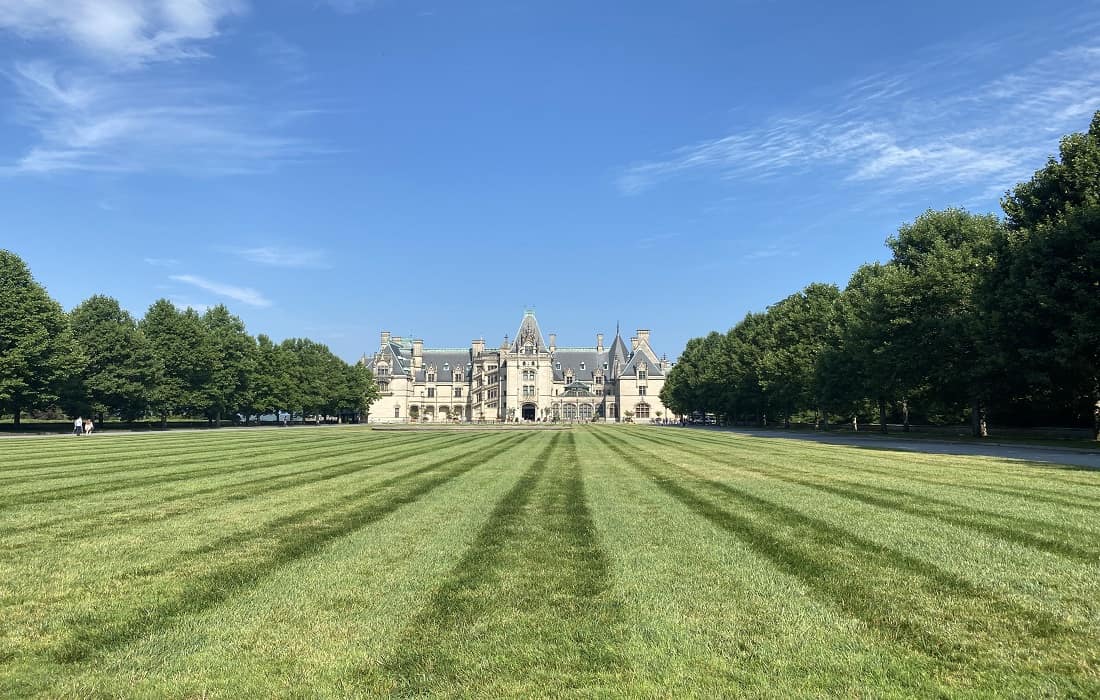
column 598, row 561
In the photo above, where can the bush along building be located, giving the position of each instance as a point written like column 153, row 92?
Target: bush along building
column 525, row 379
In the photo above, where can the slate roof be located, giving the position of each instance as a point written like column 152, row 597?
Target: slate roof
column 452, row 357
column 617, row 353
column 573, row 358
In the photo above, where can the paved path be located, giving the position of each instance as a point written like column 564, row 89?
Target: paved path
column 1029, row 453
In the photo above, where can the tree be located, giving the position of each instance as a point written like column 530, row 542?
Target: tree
column 269, row 388
column 37, row 352
column 874, row 343
column 119, row 363
column 234, row 359
column 945, row 343
column 182, row 347
column 1043, row 294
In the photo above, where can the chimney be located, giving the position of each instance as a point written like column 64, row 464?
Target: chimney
column 599, row 342
column 385, row 338
column 643, row 336
column 478, row 347
column 634, row 344
column 553, row 341
column 397, row 339
column 418, row 353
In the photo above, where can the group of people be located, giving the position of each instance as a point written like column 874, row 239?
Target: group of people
column 82, row 426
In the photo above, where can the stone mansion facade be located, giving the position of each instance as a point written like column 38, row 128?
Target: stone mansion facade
column 526, row 379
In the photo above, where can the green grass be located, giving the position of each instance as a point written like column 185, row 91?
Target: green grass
column 595, row 562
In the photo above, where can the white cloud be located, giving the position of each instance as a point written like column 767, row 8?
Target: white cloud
column 903, row 131
column 162, row 262
column 131, row 31
column 245, row 295
column 282, row 257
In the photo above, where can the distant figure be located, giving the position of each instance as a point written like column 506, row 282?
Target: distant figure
column 78, row 426
column 89, row 426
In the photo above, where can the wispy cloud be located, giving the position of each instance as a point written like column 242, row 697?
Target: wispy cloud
column 180, row 303
column 131, row 99
column 162, row 262
column 142, row 122
column 901, row 131
column 245, row 295
column 274, row 256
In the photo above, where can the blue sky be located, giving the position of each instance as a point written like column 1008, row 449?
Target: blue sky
column 330, row 169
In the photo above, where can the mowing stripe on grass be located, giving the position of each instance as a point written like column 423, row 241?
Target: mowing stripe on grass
column 282, row 540
column 1044, row 536
column 233, row 491
column 114, row 485
column 103, row 450
column 528, row 610
column 917, row 462
column 136, row 461
column 1031, row 491
column 858, row 574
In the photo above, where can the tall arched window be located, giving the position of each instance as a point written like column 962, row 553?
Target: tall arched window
column 586, row 411
column 641, row 410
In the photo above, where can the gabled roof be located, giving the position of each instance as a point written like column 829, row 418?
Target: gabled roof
column 451, row 358
column 644, row 354
column 529, row 332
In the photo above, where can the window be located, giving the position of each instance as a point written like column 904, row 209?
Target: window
column 605, row 365
column 431, row 376
column 570, row 411
column 396, row 411
column 599, row 392
column 582, row 365
column 641, row 410
column 641, row 391
column 557, row 365
column 599, row 379
column 458, row 392
column 586, row 411
column 383, row 371
column 431, row 393
column 612, row 411
column 383, row 386
column 446, row 366
column 641, row 373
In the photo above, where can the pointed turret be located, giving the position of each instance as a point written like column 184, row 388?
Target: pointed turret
column 617, row 356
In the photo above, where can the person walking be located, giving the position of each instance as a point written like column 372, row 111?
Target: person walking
column 78, row 426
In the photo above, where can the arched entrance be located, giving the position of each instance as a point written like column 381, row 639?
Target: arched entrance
column 529, row 411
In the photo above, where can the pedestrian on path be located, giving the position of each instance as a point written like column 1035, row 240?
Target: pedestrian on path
column 78, row 426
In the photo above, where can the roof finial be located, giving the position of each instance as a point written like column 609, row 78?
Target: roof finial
column 616, row 328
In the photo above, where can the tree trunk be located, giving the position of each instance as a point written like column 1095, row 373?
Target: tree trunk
column 787, row 419
column 164, row 421
column 824, row 420
column 905, row 415
column 218, row 419
column 882, row 416
column 978, row 426
column 16, row 410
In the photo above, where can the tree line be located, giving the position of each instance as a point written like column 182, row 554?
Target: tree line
column 974, row 315
column 99, row 360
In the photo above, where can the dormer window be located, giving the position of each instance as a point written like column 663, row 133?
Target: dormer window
column 641, row 373
column 557, row 366
column 582, row 365
column 446, row 366
column 605, row 365
column 431, row 376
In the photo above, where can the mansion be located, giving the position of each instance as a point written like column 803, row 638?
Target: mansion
column 526, row 379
